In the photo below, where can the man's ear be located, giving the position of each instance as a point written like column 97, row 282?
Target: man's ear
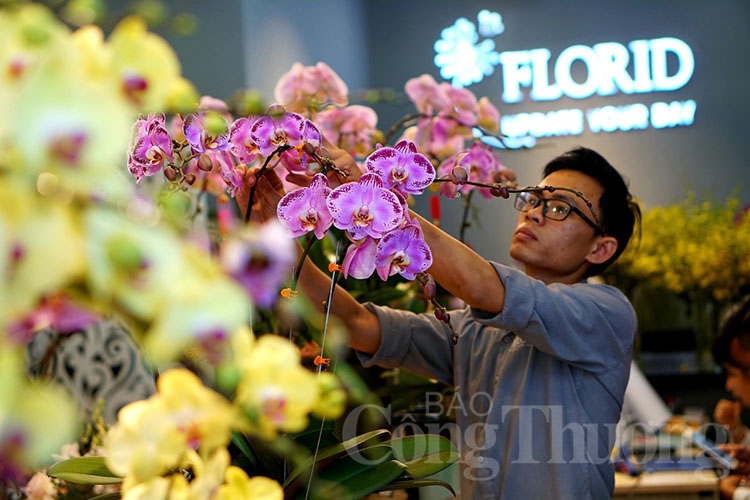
column 603, row 249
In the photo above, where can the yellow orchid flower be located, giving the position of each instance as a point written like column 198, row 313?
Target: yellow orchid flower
column 204, row 308
column 135, row 264
column 156, row 435
column 208, row 474
column 239, row 486
column 171, row 487
column 275, row 391
column 70, row 127
column 144, row 443
column 146, row 64
column 40, row 416
column 44, row 242
column 204, row 416
column 332, row 402
column 96, row 56
column 26, row 35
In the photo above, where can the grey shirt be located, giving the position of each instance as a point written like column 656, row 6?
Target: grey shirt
column 538, row 387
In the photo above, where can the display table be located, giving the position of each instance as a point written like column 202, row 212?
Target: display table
column 683, row 484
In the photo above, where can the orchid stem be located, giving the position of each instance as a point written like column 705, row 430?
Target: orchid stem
column 251, row 198
column 464, row 219
column 305, row 252
column 403, row 121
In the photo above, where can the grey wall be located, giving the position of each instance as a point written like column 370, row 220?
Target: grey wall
column 661, row 164
column 384, row 43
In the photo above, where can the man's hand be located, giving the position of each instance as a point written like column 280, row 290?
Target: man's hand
column 727, row 486
column 268, row 192
column 741, row 453
column 728, row 413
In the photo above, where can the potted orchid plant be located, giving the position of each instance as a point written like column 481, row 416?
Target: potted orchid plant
column 174, row 253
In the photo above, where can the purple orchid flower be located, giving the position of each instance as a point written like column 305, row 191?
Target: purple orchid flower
column 402, row 251
column 58, row 313
column 229, row 174
column 359, row 261
column 201, row 139
column 259, row 260
column 481, row 165
column 278, row 128
column 311, row 134
column 402, row 168
column 365, row 208
column 151, row 148
column 305, row 209
column 299, row 159
column 241, row 143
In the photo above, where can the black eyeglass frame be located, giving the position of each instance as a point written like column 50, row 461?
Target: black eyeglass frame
column 539, row 189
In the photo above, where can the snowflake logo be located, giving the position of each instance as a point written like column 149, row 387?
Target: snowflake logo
column 460, row 57
column 490, row 23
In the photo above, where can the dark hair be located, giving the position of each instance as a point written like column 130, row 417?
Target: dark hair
column 736, row 324
column 619, row 214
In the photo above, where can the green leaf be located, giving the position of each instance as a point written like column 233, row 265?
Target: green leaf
column 430, row 464
column 369, row 481
column 408, row 448
column 350, row 466
column 337, row 449
column 405, row 484
column 241, row 442
column 84, row 470
column 316, row 431
column 424, row 454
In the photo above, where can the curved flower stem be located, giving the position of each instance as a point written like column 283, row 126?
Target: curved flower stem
column 251, row 198
column 305, row 251
column 489, row 185
column 329, row 299
column 402, row 122
column 464, row 219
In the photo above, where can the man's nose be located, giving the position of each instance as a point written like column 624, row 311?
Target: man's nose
column 729, row 384
column 537, row 213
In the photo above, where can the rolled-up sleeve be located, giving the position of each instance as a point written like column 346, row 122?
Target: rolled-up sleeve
column 588, row 325
column 419, row 343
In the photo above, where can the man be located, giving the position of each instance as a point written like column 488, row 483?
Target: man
column 731, row 350
column 542, row 357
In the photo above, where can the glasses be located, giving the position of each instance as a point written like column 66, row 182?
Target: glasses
column 554, row 208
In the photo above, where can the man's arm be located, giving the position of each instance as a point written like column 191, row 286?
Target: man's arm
column 362, row 324
column 462, row 271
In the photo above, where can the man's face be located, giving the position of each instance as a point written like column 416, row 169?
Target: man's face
column 738, row 372
column 558, row 251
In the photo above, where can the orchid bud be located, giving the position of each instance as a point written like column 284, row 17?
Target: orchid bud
column 125, row 255
column 275, row 111
column 500, row 192
column 322, row 152
column 428, row 286
column 308, row 148
column 170, row 173
column 214, row 123
column 459, row 175
column 440, row 313
column 190, row 179
column 205, row 163
column 378, row 137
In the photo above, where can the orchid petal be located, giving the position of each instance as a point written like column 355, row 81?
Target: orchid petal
column 305, row 209
column 359, row 261
column 365, row 208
